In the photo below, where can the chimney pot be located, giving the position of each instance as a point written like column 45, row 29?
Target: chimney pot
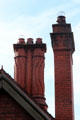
column 61, row 19
column 39, row 41
column 29, row 41
column 21, row 41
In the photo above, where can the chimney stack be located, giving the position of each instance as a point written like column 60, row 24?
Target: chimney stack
column 63, row 47
column 29, row 68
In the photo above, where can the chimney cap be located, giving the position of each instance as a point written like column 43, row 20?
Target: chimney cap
column 21, row 41
column 39, row 41
column 61, row 17
column 30, row 41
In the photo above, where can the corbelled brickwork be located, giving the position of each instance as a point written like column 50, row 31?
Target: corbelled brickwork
column 10, row 109
column 63, row 47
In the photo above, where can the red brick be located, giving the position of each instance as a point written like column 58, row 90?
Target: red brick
column 10, row 109
column 63, row 47
column 29, row 69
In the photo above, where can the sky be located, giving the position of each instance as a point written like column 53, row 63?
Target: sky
column 33, row 19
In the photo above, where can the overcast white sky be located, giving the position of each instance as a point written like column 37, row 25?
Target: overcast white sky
column 34, row 18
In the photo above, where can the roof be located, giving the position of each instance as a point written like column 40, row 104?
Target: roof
column 12, row 88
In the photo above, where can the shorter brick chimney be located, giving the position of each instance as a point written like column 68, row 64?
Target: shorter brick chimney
column 29, row 68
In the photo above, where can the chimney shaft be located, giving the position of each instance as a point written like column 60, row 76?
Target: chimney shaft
column 20, row 63
column 38, row 73
column 29, row 65
column 63, row 47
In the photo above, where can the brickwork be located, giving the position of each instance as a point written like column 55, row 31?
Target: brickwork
column 63, row 47
column 20, row 65
column 38, row 77
column 29, row 68
column 63, row 85
column 38, row 72
column 10, row 109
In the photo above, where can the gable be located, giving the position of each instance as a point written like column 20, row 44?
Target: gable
column 22, row 99
column 10, row 109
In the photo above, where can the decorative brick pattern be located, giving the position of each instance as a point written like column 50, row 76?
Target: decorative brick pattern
column 29, row 68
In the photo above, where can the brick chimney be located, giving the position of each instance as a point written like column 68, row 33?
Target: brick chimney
column 63, row 47
column 38, row 73
column 29, row 68
column 20, row 63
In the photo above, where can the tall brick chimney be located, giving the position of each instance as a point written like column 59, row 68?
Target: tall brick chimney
column 29, row 68
column 63, row 47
